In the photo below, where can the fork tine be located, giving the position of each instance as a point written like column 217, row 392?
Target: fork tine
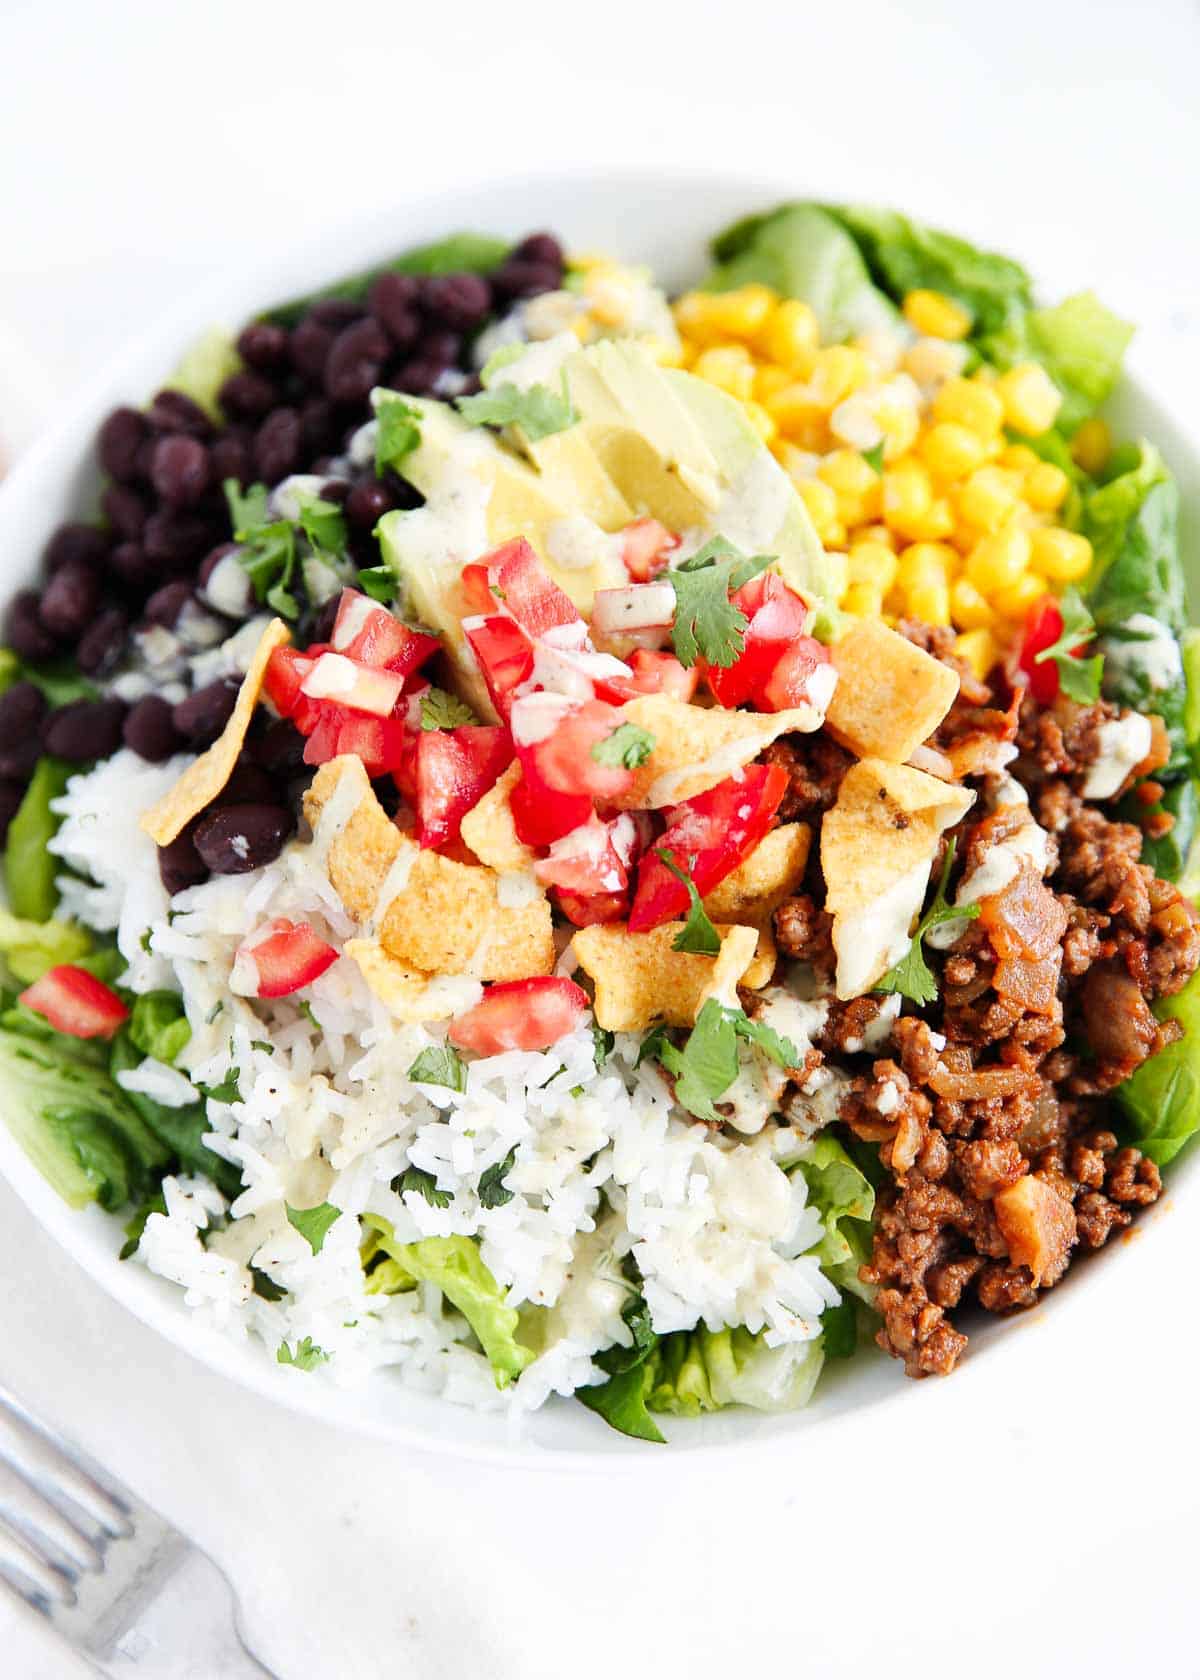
column 44, row 1526
column 39, row 1584
column 63, row 1476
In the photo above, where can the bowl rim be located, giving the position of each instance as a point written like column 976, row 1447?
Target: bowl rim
column 51, row 460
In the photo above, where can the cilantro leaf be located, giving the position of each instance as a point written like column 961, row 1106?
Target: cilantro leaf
column 602, row 1043
column 1078, row 678
column 324, row 524
column 265, row 1287
column 781, row 1050
column 912, row 976
column 502, row 358
column 397, row 433
column 874, row 456
column 228, row 1091
column 442, row 710
column 441, row 1064
column 379, row 582
column 707, row 1064
column 628, row 747
column 697, row 934
column 617, row 1359
column 306, row 1357
column 539, row 411
column 417, row 1181
column 248, row 510
column 707, row 624
column 313, row 1223
column 493, row 1192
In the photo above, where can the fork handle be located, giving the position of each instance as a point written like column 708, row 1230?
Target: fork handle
column 184, row 1630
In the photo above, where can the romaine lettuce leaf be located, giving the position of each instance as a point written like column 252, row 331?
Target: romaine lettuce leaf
column 30, row 948
column 29, row 869
column 1162, row 1099
column 204, row 368
column 158, row 1026
column 844, row 1197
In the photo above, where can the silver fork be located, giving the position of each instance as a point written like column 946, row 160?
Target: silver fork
column 129, row 1592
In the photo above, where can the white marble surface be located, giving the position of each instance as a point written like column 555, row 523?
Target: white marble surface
column 1049, row 1528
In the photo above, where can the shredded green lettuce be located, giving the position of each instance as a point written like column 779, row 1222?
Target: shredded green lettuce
column 29, row 869
column 30, row 948
column 1162, row 1098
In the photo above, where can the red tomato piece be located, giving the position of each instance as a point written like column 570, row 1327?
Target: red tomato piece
column 563, row 761
column 505, row 656
column 587, row 860
column 291, row 956
column 527, row 590
column 718, row 829
column 646, row 547
column 477, row 594
column 368, row 633
column 1043, row 627
column 379, row 742
column 75, row 1002
column 790, row 683
column 588, row 909
column 775, row 616
column 541, row 816
column 446, row 773
column 653, row 673
column 520, row 1015
column 286, row 670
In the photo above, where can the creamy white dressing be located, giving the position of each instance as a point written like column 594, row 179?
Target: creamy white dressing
column 1124, row 743
column 1152, row 653
column 760, row 1084
column 394, row 882
column 1028, row 847
column 577, row 544
column 335, row 814
column 869, row 941
column 535, row 717
column 540, row 364
column 752, row 510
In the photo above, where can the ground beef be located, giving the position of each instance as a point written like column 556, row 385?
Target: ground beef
column 815, row 765
column 803, row 933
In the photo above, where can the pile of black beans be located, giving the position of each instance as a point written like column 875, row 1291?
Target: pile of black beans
column 302, row 392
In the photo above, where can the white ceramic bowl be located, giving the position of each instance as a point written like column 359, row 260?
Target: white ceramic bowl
column 664, row 221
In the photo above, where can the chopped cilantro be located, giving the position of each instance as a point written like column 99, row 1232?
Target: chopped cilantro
column 697, row 933
column 397, row 433
column 313, row 1223
column 502, row 358
column 442, row 710
column 306, row 1009
column 912, row 976
column 707, row 1063
column 602, row 1043
column 439, row 1065
column 306, row 1357
column 1078, row 678
column 492, row 1190
column 324, row 524
column 265, row 1287
column 707, row 624
column 267, row 548
column 228, row 1091
column 379, row 582
column 261, row 1044
column 421, row 1183
column 874, row 456
column 628, row 747
column 539, row 411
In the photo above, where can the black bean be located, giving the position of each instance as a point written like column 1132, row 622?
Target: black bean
column 166, row 604
column 540, row 248
column 84, row 729
column 22, row 709
column 280, row 749
column 367, row 503
column 356, row 361
column 517, row 277
column 129, row 565
column 179, row 469
column 179, row 864
column 237, row 838
column 149, row 731
column 336, row 312
column 248, row 395
column 203, row 715
column 334, row 489
column 70, row 599
column 263, row 345
column 11, row 795
column 125, row 511
column 102, row 642
column 318, row 426
column 392, row 300
column 172, row 411
column 418, row 376
column 308, row 347
column 461, row 301
column 277, row 445
column 24, row 631
column 118, row 444
column 76, row 542
column 176, row 541
column 441, row 345
column 248, row 784
column 229, row 457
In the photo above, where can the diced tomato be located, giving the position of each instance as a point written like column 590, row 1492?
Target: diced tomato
column 563, row 762
column 775, row 616
column 520, row 1015
column 590, row 909
column 652, row 673
column 541, row 816
column 718, row 830
column 75, row 1002
column 286, row 670
column 291, row 956
column 344, row 682
column 586, row 860
column 1043, row 627
column 792, row 683
column 646, row 547
column 527, row 590
column 505, row 656
column 446, row 772
column 379, row 742
column 369, row 633
column 477, row 594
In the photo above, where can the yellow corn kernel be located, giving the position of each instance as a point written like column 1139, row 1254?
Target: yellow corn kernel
column 899, row 423
column 1031, row 398
column 907, row 493
column 728, row 366
column 863, row 600
column 930, row 360
column 924, row 562
column 979, row 648
column 873, row 563
column 930, row 602
column 951, row 451
column 935, row 524
column 1018, row 458
column 1046, row 487
column 1092, row 445
column 988, row 498
column 821, row 503
column 997, row 561
column 877, row 533
column 717, row 315
column 769, row 380
column 935, row 315
column 790, row 336
column 762, row 422
column 968, row 608
column 971, row 404
column 848, row 475
column 1062, row 555
column 836, row 372
column 1015, row 601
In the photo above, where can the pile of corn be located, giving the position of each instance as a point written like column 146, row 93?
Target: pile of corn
column 906, row 466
